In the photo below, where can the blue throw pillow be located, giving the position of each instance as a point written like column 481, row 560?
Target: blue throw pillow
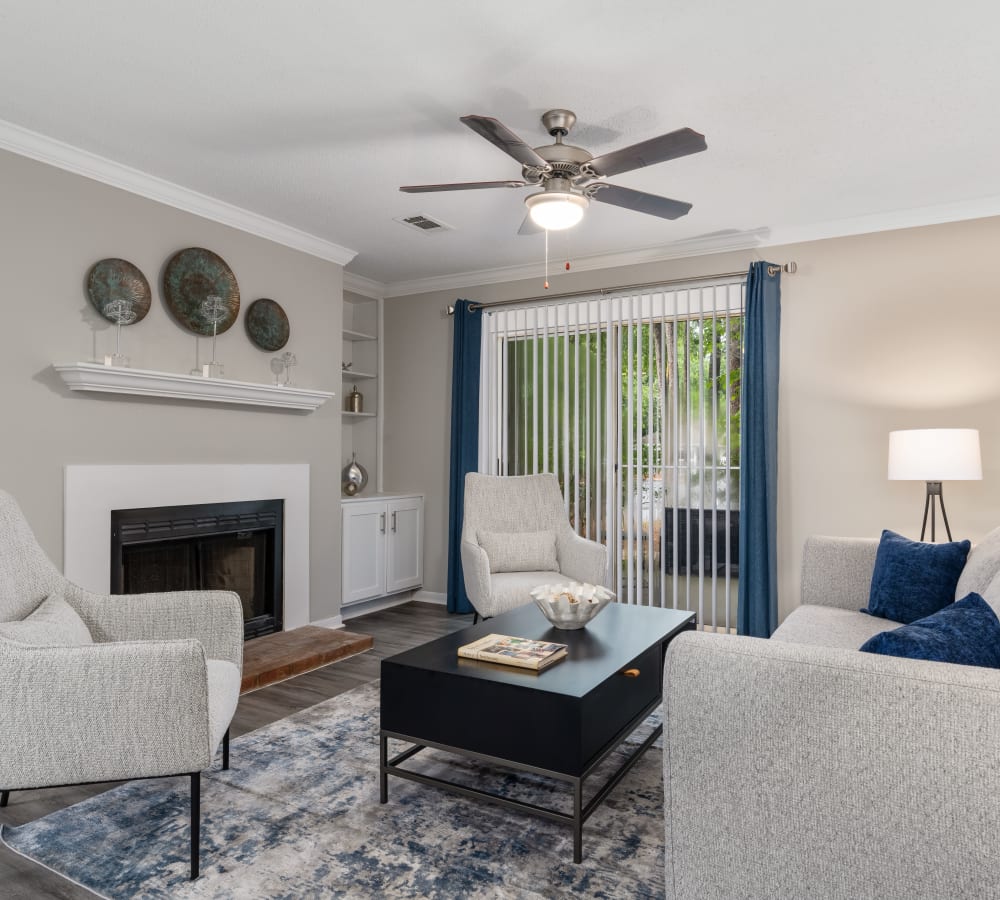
column 966, row 632
column 913, row 579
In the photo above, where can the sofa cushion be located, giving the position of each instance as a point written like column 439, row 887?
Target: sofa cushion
column 829, row 626
column 981, row 568
column 966, row 632
column 520, row 551
column 992, row 595
column 913, row 579
column 54, row 624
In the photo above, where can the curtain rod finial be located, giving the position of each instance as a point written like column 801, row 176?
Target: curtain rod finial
column 790, row 267
column 449, row 310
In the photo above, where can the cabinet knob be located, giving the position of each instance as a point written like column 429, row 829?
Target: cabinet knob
column 631, row 673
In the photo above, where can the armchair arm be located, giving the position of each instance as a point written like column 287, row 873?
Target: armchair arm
column 102, row 712
column 793, row 771
column 581, row 559
column 476, row 571
column 215, row 618
column 837, row 571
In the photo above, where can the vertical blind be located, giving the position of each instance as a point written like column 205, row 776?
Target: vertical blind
column 633, row 401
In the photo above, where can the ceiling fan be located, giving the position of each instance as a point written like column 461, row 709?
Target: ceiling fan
column 570, row 177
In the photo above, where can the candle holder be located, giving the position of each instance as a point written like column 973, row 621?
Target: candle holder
column 121, row 311
column 284, row 364
column 214, row 310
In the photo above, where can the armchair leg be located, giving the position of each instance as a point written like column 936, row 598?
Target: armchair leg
column 475, row 617
column 4, row 797
column 225, row 750
column 195, row 823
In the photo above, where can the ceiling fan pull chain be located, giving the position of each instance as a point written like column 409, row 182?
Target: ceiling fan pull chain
column 546, row 259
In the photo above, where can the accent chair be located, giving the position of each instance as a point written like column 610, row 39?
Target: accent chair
column 516, row 536
column 97, row 688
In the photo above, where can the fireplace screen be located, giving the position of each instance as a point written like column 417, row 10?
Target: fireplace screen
column 224, row 546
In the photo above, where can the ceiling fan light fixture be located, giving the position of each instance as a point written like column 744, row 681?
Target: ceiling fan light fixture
column 556, row 210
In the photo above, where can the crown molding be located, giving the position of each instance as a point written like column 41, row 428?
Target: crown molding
column 366, row 287
column 721, row 242
column 894, row 220
column 697, row 246
column 81, row 162
column 33, row 145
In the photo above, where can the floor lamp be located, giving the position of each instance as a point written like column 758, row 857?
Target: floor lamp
column 934, row 455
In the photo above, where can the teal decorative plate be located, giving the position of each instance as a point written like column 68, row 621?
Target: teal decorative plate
column 112, row 280
column 267, row 324
column 192, row 276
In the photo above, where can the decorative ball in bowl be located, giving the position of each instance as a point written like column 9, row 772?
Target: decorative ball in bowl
column 571, row 605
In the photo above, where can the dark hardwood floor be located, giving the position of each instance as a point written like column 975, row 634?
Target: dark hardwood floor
column 394, row 630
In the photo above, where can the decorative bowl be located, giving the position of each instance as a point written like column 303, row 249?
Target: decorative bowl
column 571, row 605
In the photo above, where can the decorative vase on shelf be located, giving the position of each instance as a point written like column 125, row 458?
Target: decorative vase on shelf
column 354, row 477
column 355, row 401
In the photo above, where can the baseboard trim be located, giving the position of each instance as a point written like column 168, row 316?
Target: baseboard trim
column 332, row 622
column 376, row 604
column 431, row 597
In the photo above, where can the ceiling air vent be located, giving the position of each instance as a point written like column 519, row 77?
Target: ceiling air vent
column 424, row 224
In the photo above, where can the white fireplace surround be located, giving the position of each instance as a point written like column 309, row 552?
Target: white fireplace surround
column 91, row 492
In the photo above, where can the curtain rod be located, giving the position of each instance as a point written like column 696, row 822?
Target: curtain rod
column 790, row 267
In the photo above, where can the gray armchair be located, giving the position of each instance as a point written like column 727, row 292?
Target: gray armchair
column 108, row 688
column 516, row 536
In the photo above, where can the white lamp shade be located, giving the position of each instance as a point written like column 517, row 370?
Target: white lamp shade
column 556, row 210
column 935, row 454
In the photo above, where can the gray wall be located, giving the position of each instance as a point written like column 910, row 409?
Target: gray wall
column 879, row 332
column 53, row 226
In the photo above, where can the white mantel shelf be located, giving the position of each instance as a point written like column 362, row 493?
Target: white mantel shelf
column 147, row 383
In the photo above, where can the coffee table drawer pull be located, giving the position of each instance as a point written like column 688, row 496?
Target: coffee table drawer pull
column 631, row 673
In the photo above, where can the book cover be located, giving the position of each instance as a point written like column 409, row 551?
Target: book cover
column 514, row 651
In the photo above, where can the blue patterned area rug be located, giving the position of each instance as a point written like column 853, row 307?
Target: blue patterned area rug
column 298, row 816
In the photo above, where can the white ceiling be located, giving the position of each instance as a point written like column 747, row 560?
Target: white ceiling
column 312, row 112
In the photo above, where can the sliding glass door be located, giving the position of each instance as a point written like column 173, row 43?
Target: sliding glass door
column 633, row 402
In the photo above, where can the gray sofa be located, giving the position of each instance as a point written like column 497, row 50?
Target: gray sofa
column 799, row 767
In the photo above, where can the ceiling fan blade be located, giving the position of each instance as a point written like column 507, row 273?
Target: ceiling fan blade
column 460, row 186
column 501, row 136
column 640, row 201
column 682, row 142
column 528, row 226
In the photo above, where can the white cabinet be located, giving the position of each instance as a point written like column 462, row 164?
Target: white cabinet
column 364, row 550
column 404, row 564
column 383, row 546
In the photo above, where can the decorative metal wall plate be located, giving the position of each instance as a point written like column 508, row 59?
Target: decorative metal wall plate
column 267, row 324
column 191, row 276
column 111, row 280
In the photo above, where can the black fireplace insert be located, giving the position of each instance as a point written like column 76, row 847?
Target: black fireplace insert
column 207, row 546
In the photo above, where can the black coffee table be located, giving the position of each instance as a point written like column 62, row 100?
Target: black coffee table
column 567, row 718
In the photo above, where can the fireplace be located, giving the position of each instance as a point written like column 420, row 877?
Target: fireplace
column 207, row 546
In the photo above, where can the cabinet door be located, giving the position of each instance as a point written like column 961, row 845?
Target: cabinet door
column 364, row 542
column 405, row 568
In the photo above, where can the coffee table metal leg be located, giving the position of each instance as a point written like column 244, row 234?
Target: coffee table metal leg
column 577, row 820
column 383, row 775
